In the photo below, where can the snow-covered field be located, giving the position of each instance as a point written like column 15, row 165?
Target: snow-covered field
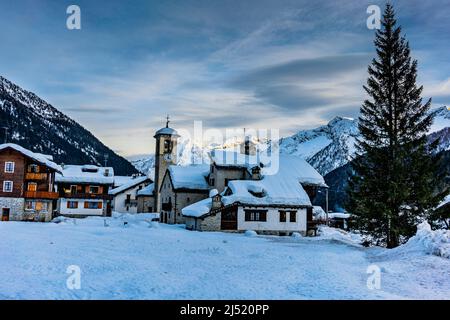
column 146, row 260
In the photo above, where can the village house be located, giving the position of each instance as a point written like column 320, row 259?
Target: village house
column 267, row 202
column 182, row 186
column 83, row 190
column 27, row 184
column 146, row 199
column 125, row 196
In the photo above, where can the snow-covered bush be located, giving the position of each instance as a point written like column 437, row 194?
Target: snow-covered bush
column 250, row 233
column 436, row 242
column 296, row 235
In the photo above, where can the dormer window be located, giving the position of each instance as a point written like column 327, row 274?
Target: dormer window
column 228, row 192
column 257, row 194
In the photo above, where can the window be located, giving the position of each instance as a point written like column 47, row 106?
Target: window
column 282, row 216
column 92, row 205
column 293, row 216
column 73, row 189
column 255, row 215
column 32, row 186
column 30, row 205
column 188, row 199
column 9, row 167
column 41, row 206
column 36, row 205
column 7, row 186
column 93, row 189
column 33, row 168
column 72, row 204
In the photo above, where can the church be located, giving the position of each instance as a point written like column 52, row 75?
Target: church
column 235, row 192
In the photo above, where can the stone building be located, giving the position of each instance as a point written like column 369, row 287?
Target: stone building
column 146, row 199
column 182, row 186
column 26, row 184
column 270, row 202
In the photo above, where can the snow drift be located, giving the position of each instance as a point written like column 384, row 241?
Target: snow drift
column 436, row 242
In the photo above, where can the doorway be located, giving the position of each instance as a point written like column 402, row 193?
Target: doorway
column 229, row 218
column 5, row 214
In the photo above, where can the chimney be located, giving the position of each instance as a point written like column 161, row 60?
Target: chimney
column 106, row 174
column 256, row 173
column 216, row 199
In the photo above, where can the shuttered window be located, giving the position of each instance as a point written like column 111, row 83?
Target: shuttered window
column 282, row 216
column 256, row 215
column 72, row 204
column 293, row 216
column 93, row 205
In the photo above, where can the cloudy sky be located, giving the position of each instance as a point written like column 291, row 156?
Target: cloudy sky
column 257, row 64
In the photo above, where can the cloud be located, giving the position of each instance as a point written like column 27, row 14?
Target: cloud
column 305, row 84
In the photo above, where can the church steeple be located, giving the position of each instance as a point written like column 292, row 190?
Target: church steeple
column 165, row 155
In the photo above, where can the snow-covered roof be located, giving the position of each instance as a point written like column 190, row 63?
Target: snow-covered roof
column 46, row 156
column 147, row 191
column 198, row 209
column 282, row 187
column 299, row 169
column 189, row 177
column 166, row 131
column 295, row 165
column 121, row 180
column 129, row 185
column 444, row 202
column 271, row 190
column 225, row 158
column 86, row 174
column 38, row 157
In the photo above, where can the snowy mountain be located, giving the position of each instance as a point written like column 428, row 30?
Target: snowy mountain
column 331, row 146
column 326, row 148
column 188, row 152
column 38, row 126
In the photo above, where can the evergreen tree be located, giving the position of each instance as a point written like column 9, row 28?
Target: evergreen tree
column 392, row 188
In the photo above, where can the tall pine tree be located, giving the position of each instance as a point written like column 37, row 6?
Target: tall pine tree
column 392, row 189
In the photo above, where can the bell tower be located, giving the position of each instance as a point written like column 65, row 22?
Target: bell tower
column 165, row 155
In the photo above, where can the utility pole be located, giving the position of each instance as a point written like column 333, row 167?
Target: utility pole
column 105, row 159
column 326, row 203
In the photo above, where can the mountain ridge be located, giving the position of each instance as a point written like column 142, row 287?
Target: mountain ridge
column 37, row 125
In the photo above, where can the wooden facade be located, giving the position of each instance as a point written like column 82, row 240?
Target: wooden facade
column 27, row 185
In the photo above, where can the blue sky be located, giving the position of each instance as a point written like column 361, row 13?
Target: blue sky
column 257, row 64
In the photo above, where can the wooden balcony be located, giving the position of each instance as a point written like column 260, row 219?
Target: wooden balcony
column 41, row 195
column 36, row 176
